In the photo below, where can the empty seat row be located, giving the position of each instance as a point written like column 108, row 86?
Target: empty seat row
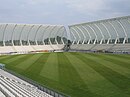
column 18, row 88
column 1, row 94
column 29, row 48
column 123, row 47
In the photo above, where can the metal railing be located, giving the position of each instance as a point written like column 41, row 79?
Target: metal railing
column 38, row 85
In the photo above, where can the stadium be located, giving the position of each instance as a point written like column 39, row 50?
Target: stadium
column 89, row 60
column 25, row 38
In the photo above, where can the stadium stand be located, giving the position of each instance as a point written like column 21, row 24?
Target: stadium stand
column 26, row 38
column 7, row 49
column 12, row 86
column 106, row 35
column 1, row 94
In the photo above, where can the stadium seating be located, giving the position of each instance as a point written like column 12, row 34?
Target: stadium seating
column 29, row 48
column 106, row 47
column 42, row 47
column 11, row 86
column 120, row 47
column 26, row 38
column 7, row 49
column 82, row 46
column 109, row 35
column 102, row 46
column 1, row 94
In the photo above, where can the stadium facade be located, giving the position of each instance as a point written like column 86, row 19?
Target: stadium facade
column 108, row 35
column 28, row 37
column 104, row 35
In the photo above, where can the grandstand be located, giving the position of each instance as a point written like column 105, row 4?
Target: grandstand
column 111, row 35
column 25, row 38
column 12, row 86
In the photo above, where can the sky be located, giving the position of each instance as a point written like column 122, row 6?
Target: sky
column 61, row 12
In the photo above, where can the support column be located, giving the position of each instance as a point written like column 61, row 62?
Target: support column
column 50, row 34
column 100, row 32
column 78, row 35
column 115, row 31
column 36, row 34
column 94, row 33
column 82, row 33
column 29, row 34
column 63, row 35
column 4, row 34
column 57, row 34
column 73, row 35
column 124, row 31
column 21, row 35
column 1, row 37
column 43, row 34
column 108, row 32
column 12, row 34
column 90, row 37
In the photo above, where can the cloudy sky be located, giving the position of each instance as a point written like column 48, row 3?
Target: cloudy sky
column 61, row 11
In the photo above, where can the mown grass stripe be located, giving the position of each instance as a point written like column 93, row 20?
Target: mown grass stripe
column 18, row 60
column 122, row 56
column 33, row 71
column 125, row 60
column 50, row 69
column 95, row 82
column 70, row 77
column 3, row 57
column 27, row 63
column 113, row 60
column 14, row 58
column 7, row 57
column 115, row 67
column 79, row 75
column 117, row 79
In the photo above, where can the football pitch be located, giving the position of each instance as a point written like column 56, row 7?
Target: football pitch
column 76, row 74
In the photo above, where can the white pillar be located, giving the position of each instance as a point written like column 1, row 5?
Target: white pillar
column 94, row 33
column 57, row 34
column 50, row 34
column 73, row 35
column 36, row 34
column 90, row 37
column 117, row 35
column 124, row 31
column 44, row 30
column 100, row 32
column 29, row 34
column 12, row 34
column 82, row 33
column 78, row 35
column 4, row 34
column 107, row 32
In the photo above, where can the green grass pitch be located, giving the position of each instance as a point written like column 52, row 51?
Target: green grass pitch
column 76, row 74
